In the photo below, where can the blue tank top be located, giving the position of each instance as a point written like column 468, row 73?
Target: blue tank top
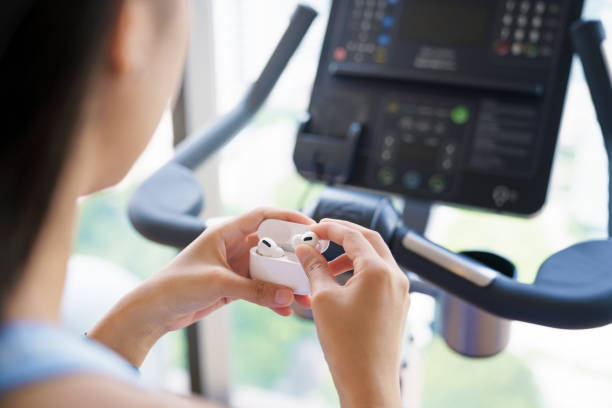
column 35, row 352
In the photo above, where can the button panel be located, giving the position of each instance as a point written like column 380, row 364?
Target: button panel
column 419, row 132
column 371, row 24
column 528, row 29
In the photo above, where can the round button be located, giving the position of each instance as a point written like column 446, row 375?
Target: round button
column 437, row 183
column 412, row 180
column 386, row 176
column 388, row 21
column 340, row 54
column 531, row 50
column 525, row 6
column 536, row 22
column 519, row 35
column 460, row 115
column 384, row 40
column 501, row 48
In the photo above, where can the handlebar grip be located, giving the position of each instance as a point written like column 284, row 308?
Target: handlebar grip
column 166, row 206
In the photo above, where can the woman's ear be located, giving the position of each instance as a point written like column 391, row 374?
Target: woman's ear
column 132, row 39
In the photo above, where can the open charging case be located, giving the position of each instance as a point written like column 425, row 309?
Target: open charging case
column 286, row 271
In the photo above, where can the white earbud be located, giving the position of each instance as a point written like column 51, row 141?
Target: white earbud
column 308, row 238
column 268, row 248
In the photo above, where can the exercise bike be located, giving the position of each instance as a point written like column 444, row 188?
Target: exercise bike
column 572, row 289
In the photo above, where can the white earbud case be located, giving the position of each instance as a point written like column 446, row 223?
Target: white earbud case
column 286, row 271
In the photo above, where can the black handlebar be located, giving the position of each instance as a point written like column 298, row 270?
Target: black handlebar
column 572, row 296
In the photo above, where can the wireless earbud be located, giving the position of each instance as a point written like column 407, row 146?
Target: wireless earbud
column 274, row 258
column 307, row 238
column 268, row 248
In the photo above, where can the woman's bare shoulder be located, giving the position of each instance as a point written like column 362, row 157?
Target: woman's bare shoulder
column 94, row 392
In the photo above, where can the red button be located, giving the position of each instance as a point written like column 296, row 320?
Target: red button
column 340, row 54
column 501, row 48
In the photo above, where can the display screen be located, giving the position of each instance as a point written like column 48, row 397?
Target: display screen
column 446, row 22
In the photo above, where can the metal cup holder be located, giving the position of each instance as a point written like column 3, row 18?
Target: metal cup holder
column 471, row 331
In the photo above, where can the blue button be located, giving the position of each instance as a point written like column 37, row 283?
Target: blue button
column 393, row 2
column 388, row 22
column 384, row 40
column 412, row 180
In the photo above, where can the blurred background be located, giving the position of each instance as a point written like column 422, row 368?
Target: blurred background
column 270, row 361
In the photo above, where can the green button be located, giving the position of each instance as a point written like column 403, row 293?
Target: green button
column 460, row 115
column 437, row 184
column 531, row 50
column 386, row 176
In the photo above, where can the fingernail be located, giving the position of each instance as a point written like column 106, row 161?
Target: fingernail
column 283, row 297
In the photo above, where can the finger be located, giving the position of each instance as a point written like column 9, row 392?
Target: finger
column 258, row 292
column 252, row 240
column 316, row 268
column 373, row 237
column 355, row 245
column 283, row 311
column 341, row 264
column 304, row 301
column 238, row 257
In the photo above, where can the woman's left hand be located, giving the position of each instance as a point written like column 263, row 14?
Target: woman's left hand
column 210, row 273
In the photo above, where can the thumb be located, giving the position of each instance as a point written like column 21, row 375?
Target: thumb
column 258, row 292
column 316, row 268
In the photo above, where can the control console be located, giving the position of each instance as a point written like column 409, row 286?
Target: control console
column 455, row 100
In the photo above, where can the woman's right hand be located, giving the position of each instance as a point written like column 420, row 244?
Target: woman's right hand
column 361, row 324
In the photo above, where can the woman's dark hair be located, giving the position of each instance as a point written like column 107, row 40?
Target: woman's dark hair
column 48, row 52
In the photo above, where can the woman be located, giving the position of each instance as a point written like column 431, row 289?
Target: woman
column 87, row 81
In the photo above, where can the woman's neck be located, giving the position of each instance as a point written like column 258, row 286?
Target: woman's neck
column 38, row 293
